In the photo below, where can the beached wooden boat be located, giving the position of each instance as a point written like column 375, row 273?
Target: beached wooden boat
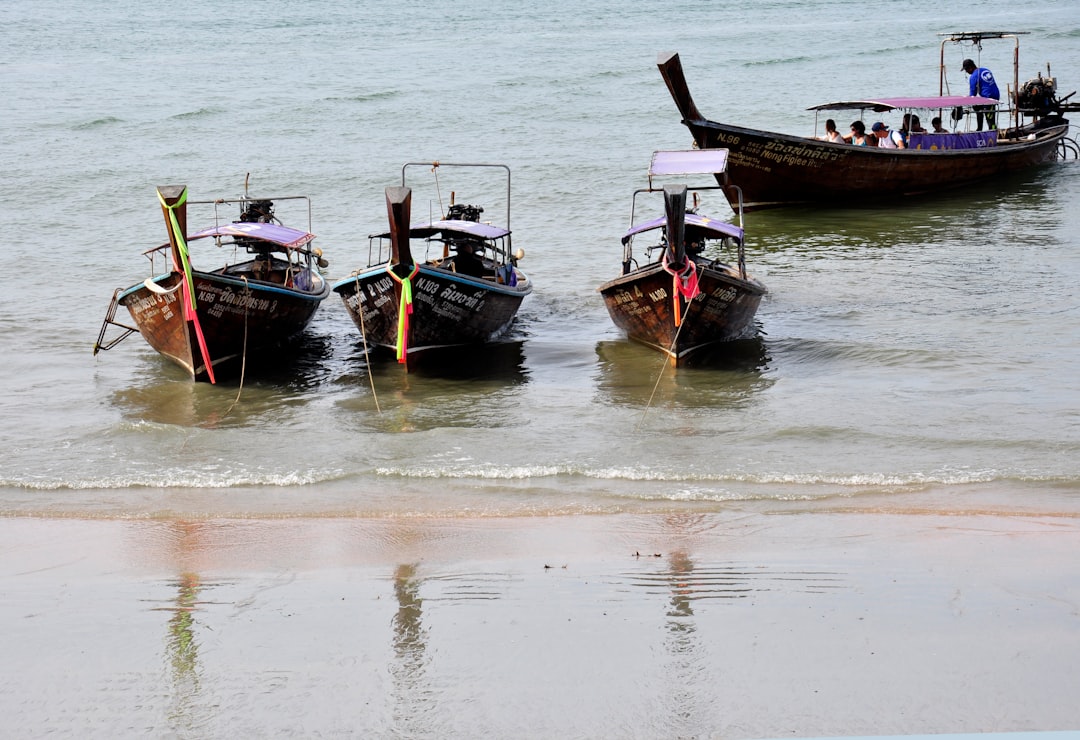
column 466, row 294
column 683, row 300
column 775, row 169
column 209, row 322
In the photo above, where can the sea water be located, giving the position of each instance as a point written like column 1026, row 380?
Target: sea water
column 921, row 348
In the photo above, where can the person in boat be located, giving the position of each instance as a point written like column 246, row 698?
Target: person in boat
column 831, row 134
column 858, row 134
column 935, row 122
column 916, row 125
column 467, row 261
column 887, row 138
column 981, row 82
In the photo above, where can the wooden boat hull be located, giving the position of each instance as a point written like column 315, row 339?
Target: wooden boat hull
column 448, row 309
column 774, row 169
column 238, row 318
column 642, row 304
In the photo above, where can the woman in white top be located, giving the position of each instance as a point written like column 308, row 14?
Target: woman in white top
column 831, row 134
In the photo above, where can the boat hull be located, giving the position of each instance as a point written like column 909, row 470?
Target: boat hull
column 774, row 169
column 642, row 304
column 238, row 319
column 448, row 309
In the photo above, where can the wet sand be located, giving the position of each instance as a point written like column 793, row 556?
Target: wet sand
column 734, row 625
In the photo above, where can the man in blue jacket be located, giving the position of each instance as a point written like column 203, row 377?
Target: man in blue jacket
column 981, row 82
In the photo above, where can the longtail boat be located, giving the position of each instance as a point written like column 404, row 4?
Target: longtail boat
column 777, row 169
column 681, row 298
column 210, row 321
column 465, row 292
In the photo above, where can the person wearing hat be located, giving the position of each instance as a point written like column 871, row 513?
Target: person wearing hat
column 981, row 82
column 886, row 138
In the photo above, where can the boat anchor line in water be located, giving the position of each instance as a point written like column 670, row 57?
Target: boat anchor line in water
column 775, row 169
column 210, row 321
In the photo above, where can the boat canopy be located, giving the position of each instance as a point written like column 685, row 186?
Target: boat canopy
column 715, row 229
column 880, row 105
column 474, row 229
column 689, row 162
column 282, row 236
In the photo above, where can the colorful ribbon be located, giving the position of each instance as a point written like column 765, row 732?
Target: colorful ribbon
column 685, row 284
column 405, row 309
column 188, row 302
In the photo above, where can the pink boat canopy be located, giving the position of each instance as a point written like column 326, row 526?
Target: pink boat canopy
column 880, row 105
column 714, row 229
column 282, row 236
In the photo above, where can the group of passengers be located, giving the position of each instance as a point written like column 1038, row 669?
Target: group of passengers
column 880, row 134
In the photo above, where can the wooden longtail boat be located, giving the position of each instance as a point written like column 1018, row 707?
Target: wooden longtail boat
column 210, row 321
column 468, row 293
column 776, row 169
column 683, row 300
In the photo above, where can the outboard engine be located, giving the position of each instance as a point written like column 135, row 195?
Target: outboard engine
column 1038, row 97
column 458, row 212
column 258, row 211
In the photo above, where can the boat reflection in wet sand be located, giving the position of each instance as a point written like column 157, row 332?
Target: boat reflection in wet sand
column 681, row 299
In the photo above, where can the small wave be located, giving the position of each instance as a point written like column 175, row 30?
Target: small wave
column 184, row 479
column 200, row 113
column 852, row 481
column 97, row 123
column 365, row 98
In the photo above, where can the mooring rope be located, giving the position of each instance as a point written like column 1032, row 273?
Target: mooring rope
column 367, row 353
column 243, row 352
column 675, row 340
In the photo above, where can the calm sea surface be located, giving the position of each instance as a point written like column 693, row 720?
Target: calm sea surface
column 930, row 345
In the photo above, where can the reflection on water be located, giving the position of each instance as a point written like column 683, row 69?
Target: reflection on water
column 730, row 375
column 433, row 395
column 500, row 362
column 181, row 402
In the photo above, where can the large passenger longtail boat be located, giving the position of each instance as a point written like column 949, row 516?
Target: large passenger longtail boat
column 681, row 298
column 210, row 321
column 776, row 169
column 465, row 291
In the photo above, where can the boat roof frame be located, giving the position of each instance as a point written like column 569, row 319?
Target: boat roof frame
column 976, row 38
column 670, row 162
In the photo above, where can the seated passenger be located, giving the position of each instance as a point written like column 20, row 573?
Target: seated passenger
column 886, row 138
column 831, row 134
column 858, row 134
column 916, row 125
column 936, row 123
column 468, row 261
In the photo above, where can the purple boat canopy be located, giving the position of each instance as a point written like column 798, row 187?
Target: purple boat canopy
column 715, row 229
column 880, row 105
column 474, row 229
column 282, row 236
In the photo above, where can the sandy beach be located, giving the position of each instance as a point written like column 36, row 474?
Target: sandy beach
column 734, row 625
